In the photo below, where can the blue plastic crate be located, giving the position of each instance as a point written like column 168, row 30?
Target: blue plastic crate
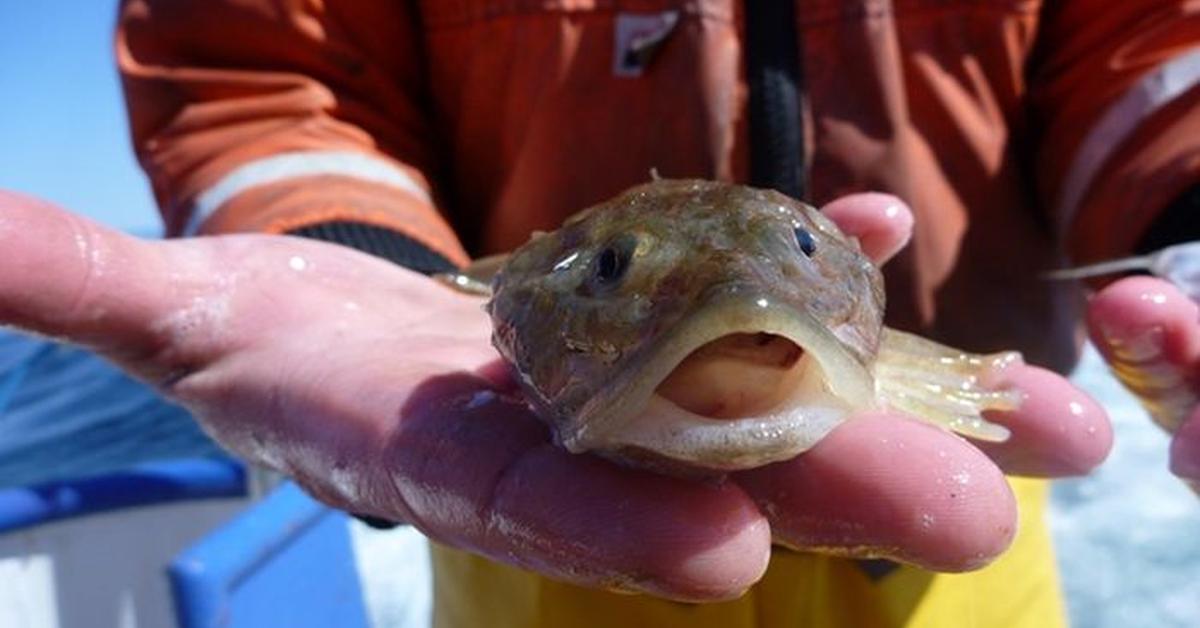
column 287, row 561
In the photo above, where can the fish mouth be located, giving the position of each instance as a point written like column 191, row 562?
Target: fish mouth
column 734, row 387
column 736, row 376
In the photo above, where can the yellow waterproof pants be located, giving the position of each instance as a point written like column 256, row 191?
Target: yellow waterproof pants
column 1019, row 590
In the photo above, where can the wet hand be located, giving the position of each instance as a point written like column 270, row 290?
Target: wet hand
column 1149, row 332
column 378, row 391
column 885, row 484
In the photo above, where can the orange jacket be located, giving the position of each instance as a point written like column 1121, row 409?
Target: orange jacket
column 1010, row 126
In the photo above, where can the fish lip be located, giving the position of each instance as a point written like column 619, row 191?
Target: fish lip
column 729, row 311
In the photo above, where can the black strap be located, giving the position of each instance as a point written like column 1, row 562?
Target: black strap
column 376, row 522
column 774, row 77
column 380, row 242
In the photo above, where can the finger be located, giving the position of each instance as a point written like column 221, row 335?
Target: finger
column 1149, row 333
column 1057, row 431
column 882, row 223
column 885, row 486
column 475, row 470
column 69, row 277
column 1185, row 451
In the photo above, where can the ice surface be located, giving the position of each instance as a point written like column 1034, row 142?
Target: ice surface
column 1127, row 536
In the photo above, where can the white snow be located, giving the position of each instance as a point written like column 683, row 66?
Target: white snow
column 1128, row 535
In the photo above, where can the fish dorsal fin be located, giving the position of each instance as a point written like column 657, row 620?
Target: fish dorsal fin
column 477, row 277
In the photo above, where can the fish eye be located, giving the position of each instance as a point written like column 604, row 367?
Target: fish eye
column 804, row 237
column 610, row 266
column 611, row 263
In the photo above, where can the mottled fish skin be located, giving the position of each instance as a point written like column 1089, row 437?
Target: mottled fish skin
column 574, row 334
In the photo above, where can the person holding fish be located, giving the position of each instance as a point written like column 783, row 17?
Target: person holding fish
column 962, row 146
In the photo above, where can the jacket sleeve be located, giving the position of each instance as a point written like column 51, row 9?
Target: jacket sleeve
column 277, row 116
column 1116, row 100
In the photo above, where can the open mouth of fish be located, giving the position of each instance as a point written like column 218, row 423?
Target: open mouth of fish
column 734, row 387
column 736, row 376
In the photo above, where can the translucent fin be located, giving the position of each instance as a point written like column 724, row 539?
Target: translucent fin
column 476, row 278
column 941, row 384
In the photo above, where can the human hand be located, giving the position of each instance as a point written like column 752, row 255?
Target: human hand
column 378, row 391
column 1149, row 332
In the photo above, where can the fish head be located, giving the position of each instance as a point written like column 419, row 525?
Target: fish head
column 714, row 325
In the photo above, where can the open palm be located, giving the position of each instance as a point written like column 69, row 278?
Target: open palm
column 377, row 389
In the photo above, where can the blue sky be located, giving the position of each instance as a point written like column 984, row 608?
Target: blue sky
column 63, row 133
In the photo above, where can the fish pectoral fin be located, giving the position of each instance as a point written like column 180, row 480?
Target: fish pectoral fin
column 475, row 279
column 942, row 385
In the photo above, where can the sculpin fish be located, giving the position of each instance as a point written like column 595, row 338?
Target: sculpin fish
column 714, row 326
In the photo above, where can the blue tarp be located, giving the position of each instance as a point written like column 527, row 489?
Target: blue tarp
column 66, row 413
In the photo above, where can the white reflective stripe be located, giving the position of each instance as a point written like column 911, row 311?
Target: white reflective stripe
column 1157, row 88
column 294, row 166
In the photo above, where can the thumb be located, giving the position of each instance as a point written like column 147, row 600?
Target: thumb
column 68, row 277
column 1149, row 333
column 882, row 223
